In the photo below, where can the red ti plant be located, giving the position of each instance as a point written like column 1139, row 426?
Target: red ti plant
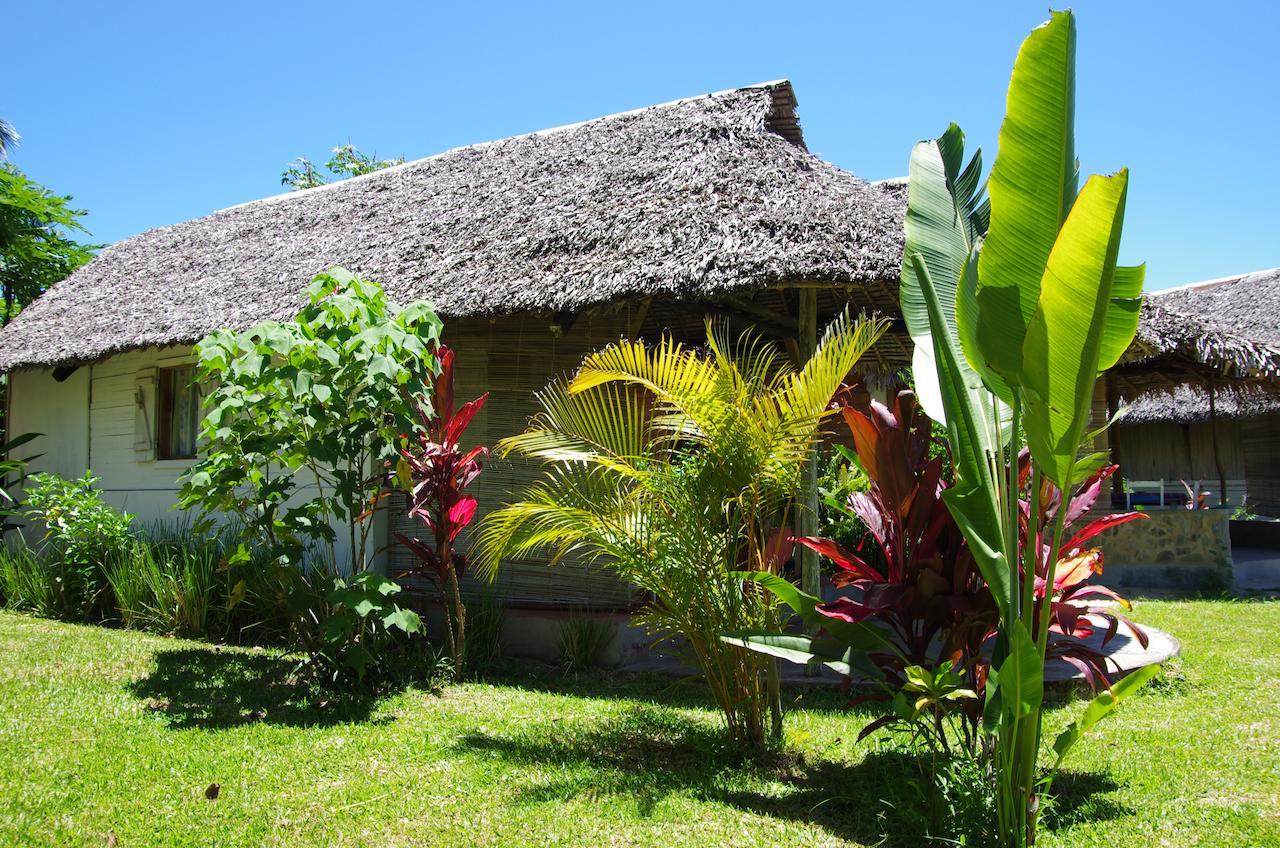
column 1074, row 612
column 435, row 470
column 930, row 596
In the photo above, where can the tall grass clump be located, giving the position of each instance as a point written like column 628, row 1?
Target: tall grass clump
column 585, row 640
column 26, row 582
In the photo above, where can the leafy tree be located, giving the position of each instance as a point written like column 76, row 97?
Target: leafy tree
column 36, row 249
column 677, row 469
column 345, row 161
column 304, row 416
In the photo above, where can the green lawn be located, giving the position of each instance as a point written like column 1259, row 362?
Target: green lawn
column 106, row 732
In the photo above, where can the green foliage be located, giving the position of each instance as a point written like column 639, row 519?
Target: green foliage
column 345, row 161
column 841, row 476
column 304, row 415
column 36, row 248
column 585, row 639
column 82, row 533
column 27, row 582
column 9, row 138
column 1030, row 317
column 12, row 475
column 486, row 616
column 358, row 629
column 676, row 469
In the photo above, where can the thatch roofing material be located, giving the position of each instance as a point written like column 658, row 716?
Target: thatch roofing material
column 1187, row 404
column 691, row 199
column 1223, row 332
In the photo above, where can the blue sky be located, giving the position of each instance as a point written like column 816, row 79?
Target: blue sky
column 151, row 114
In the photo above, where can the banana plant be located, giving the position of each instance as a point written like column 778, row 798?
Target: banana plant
column 1021, row 322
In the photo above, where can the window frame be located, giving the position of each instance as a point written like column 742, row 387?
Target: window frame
column 165, row 396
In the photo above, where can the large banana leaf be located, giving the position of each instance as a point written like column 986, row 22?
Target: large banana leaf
column 972, row 500
column 946, row 219
column 1069, row 330
column 1122, row 317
column 1032, row 187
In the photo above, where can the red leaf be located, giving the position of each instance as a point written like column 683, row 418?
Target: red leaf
column 456, row 425
column 846, row 609
column 1087, row 494
column 842, row 558
column 460, row 515
column 443, row 395
column 1077, row 568
column 1093, row 528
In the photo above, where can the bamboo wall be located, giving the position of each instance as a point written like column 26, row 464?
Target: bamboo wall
column 1260, row 438
column 512, row 358
column 1171, row 451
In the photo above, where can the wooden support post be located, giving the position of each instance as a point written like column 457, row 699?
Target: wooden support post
column 807, row 509
column 1213, row 438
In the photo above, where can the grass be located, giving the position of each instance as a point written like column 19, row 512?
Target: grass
column 108, row 735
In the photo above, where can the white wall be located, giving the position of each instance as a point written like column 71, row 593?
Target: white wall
column 144, row 487
column 90, row 421
column 59, row 411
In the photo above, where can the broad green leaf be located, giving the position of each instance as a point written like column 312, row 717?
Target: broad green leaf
column 1066, row 335
column 803, row 650
column 405, row 619
column 1032, row 186
column 860, row 637
column 1021, row 675
column 1122, row 317
column 1099, row 708
column 972, row 499
column 945, row 222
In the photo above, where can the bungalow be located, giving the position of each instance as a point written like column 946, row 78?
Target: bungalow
column 534, row 249
column 1200, row 390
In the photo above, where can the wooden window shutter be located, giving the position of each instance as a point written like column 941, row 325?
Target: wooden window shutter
column 144, row 415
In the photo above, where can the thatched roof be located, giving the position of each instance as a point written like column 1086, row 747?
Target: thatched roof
column 692, row 199
column 1225, row 332
column 1187, row 404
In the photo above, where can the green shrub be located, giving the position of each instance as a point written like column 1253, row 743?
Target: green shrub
column 585, row 639
column 130, row 589
column 82, row 534
column 352, row 630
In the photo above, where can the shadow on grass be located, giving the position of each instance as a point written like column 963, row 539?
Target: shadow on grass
column 648, row 753
column 217, row 689
column 667, row 690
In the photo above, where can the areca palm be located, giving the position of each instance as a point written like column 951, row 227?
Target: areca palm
column 675, row 468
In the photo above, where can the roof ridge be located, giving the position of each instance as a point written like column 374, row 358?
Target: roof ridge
column 786, row 125
column 1213, row 283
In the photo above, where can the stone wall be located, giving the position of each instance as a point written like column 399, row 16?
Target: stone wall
column 1174, row 548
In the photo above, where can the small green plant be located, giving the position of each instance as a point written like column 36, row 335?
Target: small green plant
column 13, row 473
column 82, row 535
column 676, row 468
column 357, row 628
column 131, row 590
column 182, row 587
column 585, row 640
column 486, row 615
